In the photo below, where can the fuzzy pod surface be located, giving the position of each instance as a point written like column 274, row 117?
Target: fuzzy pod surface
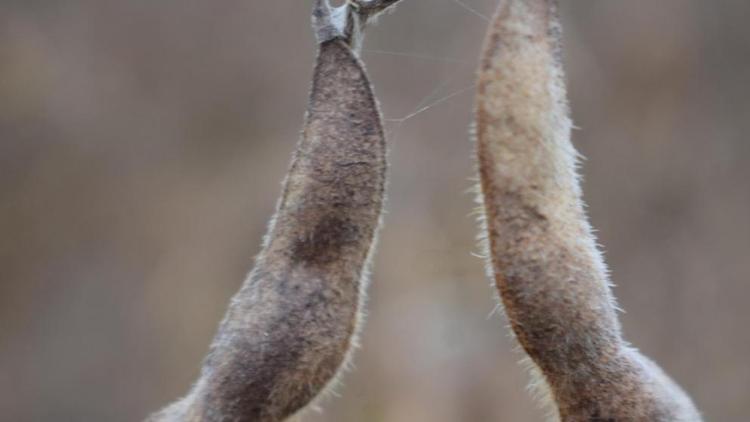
column 291, row 327
column 542, row 253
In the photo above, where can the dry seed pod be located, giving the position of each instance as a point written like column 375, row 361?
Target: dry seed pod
column 293, row 323
column 551, row 277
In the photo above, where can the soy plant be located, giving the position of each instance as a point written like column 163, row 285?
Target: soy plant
column 293, row 324
column 551, row 277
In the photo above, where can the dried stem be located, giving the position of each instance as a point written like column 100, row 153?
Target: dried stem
column 348, row 21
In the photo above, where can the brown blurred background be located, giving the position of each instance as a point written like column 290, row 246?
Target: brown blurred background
column 142, row 144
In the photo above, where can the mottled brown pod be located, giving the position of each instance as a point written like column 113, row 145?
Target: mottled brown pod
column 292, row 326
column 543, row 255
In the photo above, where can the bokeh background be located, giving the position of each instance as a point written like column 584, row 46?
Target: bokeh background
column 142, row 145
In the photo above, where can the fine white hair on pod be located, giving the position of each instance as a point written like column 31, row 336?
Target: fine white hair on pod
column 542, row 253
column 292, row 327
